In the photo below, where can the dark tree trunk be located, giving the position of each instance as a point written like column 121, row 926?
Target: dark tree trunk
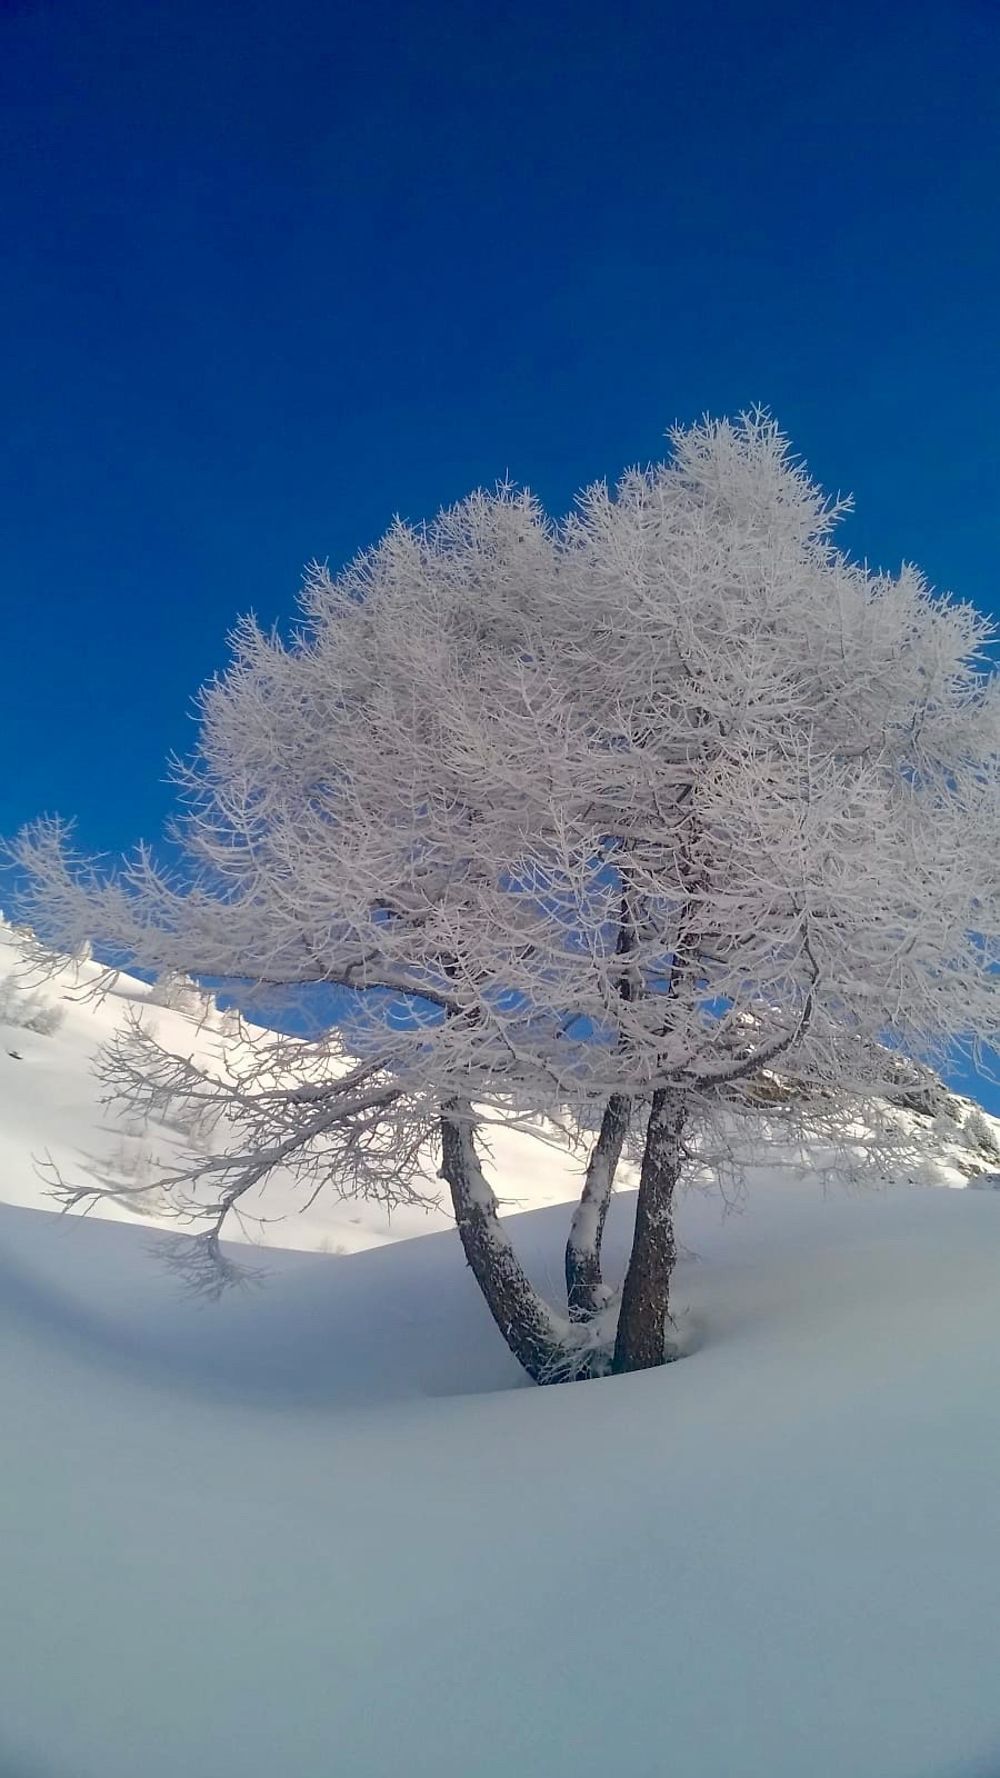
column 584, row 1283
column 640, row 1342
column 529, row 1326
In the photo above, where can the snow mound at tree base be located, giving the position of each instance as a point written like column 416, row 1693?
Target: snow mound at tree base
column 273, row 1535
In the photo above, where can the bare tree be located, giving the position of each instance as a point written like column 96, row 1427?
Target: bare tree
column 605, row 823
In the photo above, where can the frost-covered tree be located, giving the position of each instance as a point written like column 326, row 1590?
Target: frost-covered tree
column 616, row 822
column 178, row 993
column 21, row 1005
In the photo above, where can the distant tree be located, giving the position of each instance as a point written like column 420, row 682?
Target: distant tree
column 639, row 823
column 175, row 991
column 21, row 1002
column 23, row 1006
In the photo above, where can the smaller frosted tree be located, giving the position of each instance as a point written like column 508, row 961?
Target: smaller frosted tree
column 178, row 993
column 641, row 822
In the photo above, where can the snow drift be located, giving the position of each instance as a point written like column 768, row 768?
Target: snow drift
column 321, row 1527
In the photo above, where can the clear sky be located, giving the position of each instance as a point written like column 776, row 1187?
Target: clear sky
column 272, row 273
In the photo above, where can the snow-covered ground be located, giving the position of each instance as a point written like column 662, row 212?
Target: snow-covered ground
column 322, row 1528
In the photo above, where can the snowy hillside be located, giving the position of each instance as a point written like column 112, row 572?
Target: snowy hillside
column 52, row 1116
column 51, row 1111
column 321, row 1527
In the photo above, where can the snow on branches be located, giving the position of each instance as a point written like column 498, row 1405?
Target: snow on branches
column 610, row 813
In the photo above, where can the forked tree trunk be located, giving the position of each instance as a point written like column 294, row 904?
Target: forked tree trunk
column 531, row 1329
column 584, row 1283
column 640, row 1341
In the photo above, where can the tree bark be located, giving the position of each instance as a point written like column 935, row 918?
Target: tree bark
column 640, row 1341
column 530, row 1327
column 584, row 1283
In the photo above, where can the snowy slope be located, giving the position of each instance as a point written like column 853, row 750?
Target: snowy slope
column 50, row 1109
column 269, row 1538
column 322, row 1527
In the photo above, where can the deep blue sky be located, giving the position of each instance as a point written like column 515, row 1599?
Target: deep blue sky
column 272, row 273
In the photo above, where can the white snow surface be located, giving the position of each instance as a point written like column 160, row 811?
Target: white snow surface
column 323, row 1528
